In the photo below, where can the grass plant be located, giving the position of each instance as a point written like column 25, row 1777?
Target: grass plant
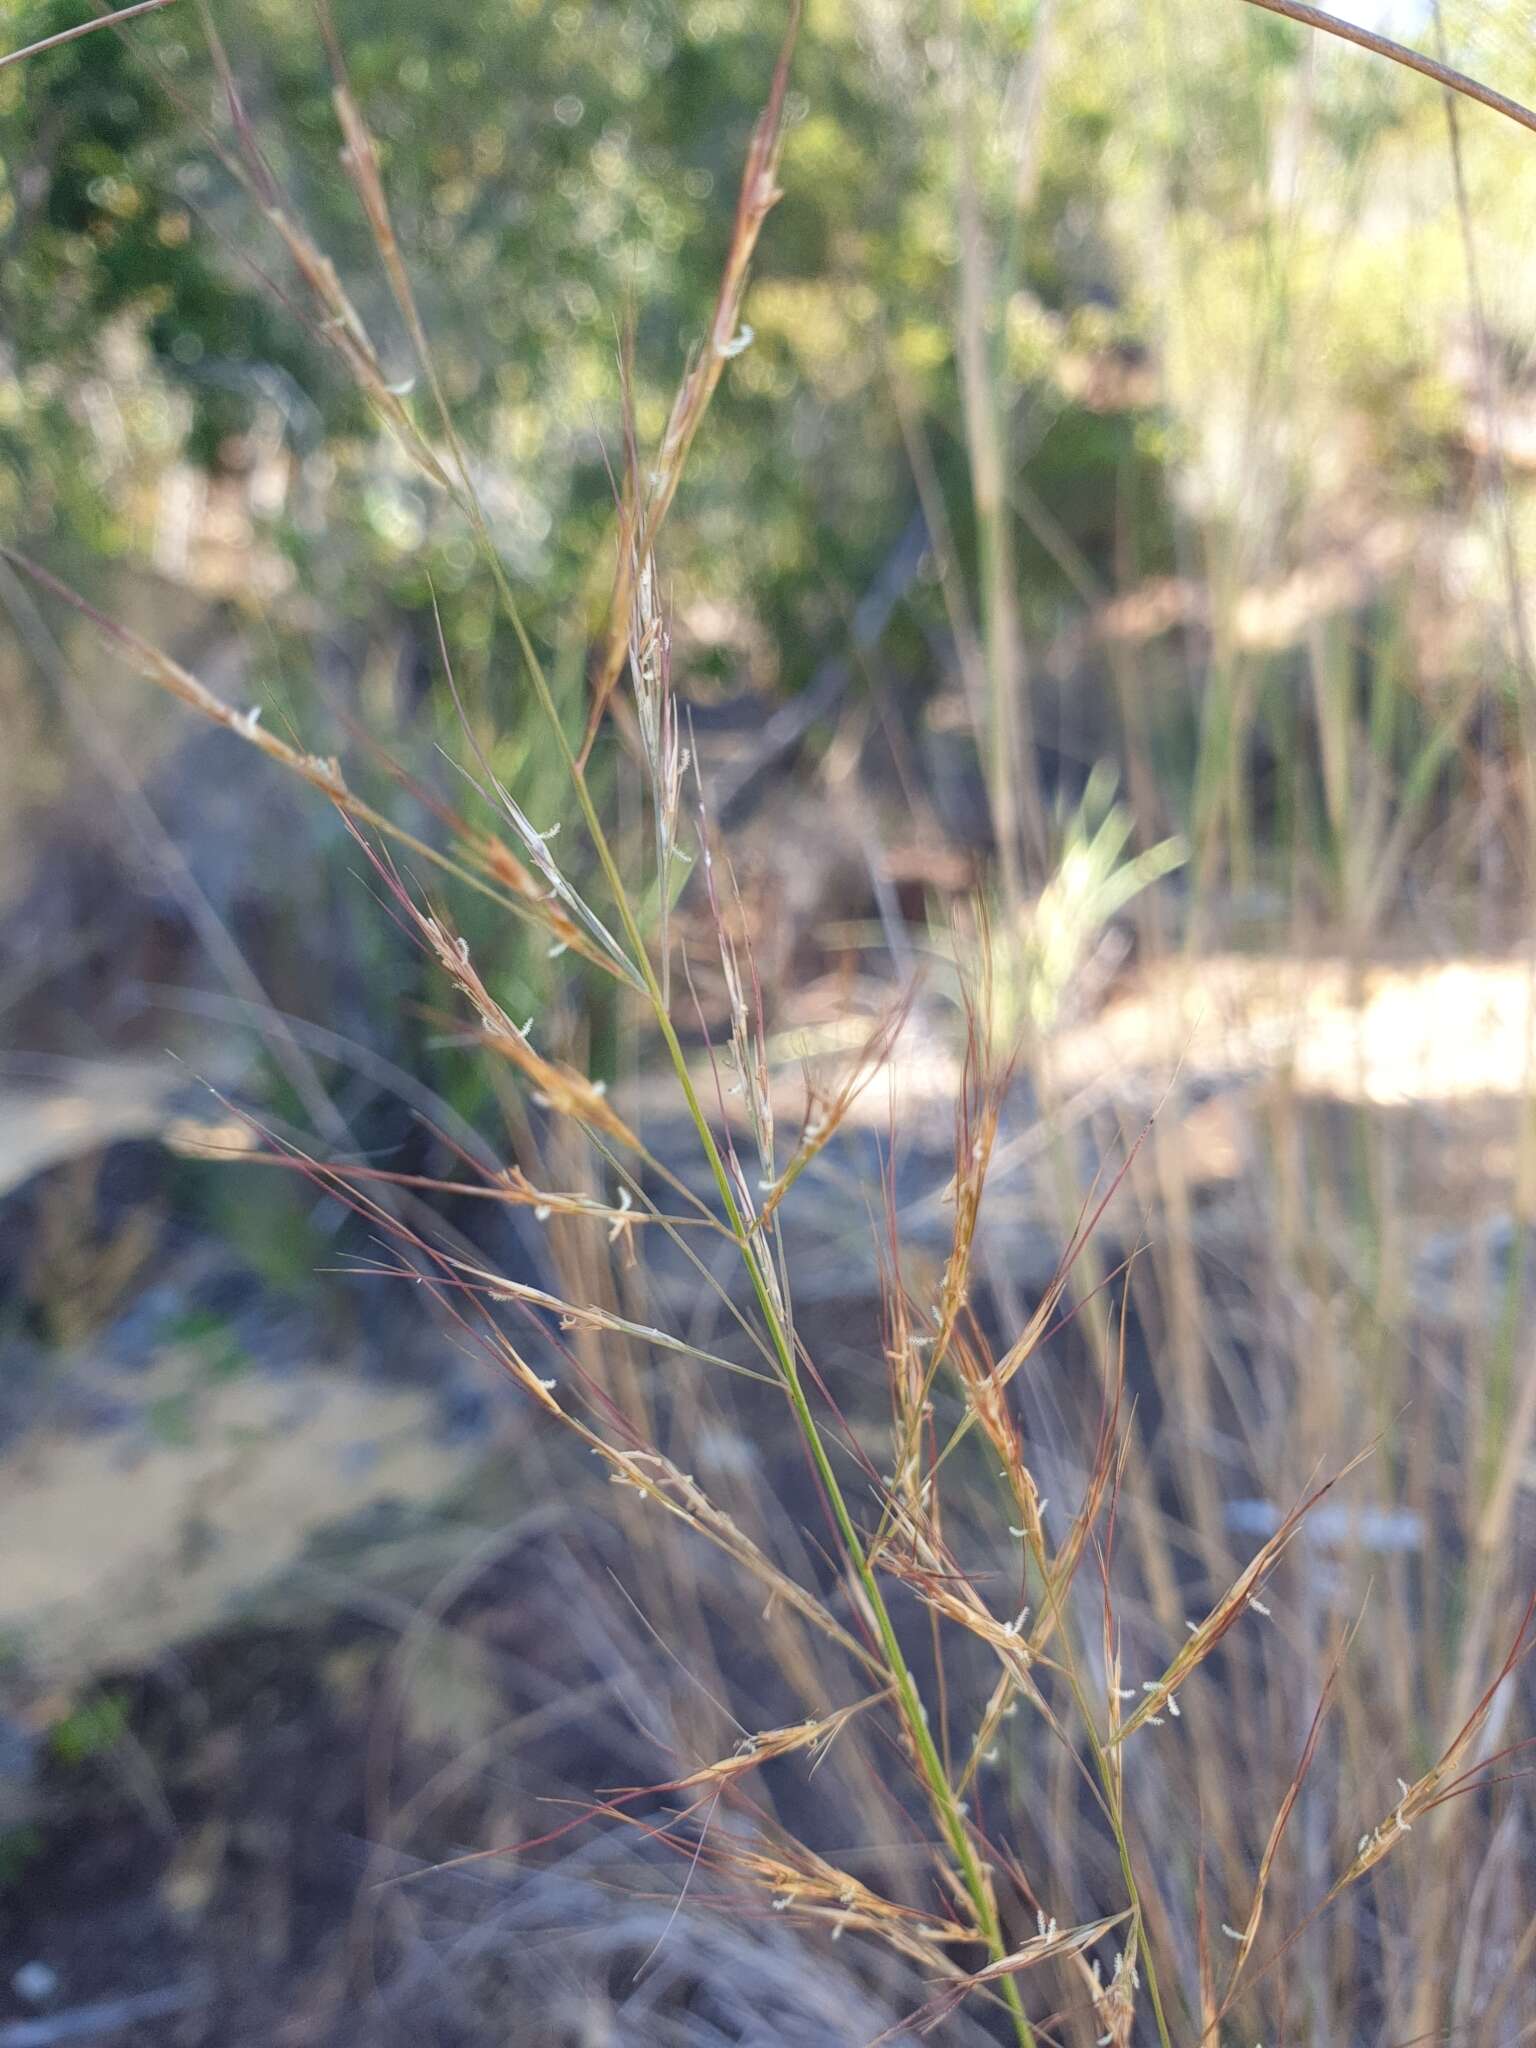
column 1124, row 1775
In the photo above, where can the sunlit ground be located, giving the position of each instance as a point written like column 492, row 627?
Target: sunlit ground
column 1439, row 1031
column 1445, row 1031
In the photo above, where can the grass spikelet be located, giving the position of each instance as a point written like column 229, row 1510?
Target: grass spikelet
column 1239, row 1597
column 649, row 498
column 557, row 1085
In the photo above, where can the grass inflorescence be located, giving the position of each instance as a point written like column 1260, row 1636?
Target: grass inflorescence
column 1123, row 1783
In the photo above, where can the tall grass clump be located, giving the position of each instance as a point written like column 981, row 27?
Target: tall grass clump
column 1114, row 1775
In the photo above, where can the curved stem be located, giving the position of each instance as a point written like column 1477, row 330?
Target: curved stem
column 1400, row 53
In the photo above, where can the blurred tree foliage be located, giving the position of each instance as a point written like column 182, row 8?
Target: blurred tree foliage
column 1226, row 290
